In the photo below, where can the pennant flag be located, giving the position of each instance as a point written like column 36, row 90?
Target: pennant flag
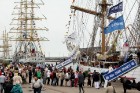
column 126, row 44
column 116, row 24
column 116, row 8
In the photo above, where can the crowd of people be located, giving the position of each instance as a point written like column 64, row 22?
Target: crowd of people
column 13, row 76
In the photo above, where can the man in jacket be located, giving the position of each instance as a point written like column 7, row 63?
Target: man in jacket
column 96, row 79
column 81, row 81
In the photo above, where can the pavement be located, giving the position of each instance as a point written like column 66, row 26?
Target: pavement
column 58, row 89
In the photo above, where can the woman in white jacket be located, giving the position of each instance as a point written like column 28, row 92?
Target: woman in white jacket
column 17, row 79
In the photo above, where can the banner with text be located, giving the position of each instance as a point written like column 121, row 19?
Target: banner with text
column 116, row 8
column 121, row 70
column 116, row 24
column 68, row 61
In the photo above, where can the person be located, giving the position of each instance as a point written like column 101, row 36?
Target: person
column 126, row 84
column 138, row 86
column 16, row 89
column 48, row 77
column 67, row 77
column 110, row 68
column 54, row 78
column 89, row 80
column 17, row 79
column 24, row 76
column 134, row 84
column 129, row 58
column 62, row 77
column 96, row 80
column 72, row 79
column 81, row 81
column 76, row 78
column 110, row 88
column 38, row 73
column 44, row 77
column 30, row 75
column 37, row 85
column 102, row 81
column 2, row 81
column 57, row 77
column 8, row 85
column 138, row 56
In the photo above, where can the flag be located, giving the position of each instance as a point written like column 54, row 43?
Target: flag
column 116, row 24
column 72, row 37
column 33, row 50
column 116, row 8
column 126, row 44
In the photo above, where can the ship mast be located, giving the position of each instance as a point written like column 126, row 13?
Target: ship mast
column 27, row 20
column 5, row 47
column 25, row 26
column 102, row 15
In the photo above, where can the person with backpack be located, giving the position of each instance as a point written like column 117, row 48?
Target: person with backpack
column 37, row 85
column 16, row 89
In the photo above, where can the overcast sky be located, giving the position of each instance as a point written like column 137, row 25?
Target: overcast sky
column 57, row 13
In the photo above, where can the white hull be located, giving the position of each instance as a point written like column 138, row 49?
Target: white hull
column 36, row 57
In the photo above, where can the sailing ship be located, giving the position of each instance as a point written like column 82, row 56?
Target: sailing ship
column 26, row 32
column 5, row 48
column 92, row 18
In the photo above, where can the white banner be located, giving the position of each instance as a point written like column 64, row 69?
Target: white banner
column 73, row 55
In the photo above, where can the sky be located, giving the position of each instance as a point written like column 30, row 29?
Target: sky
column 57, row 14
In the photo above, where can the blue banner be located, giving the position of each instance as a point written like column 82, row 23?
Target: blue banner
column 68, row 61
column 116, row 8
column 116, row 24
column 121, row 70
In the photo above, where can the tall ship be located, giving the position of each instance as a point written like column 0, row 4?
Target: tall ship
column 102, row 33
column 5, row 48
column 90, row 21
column 25, row 31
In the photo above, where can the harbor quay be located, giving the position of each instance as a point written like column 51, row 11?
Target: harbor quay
column 58, row 89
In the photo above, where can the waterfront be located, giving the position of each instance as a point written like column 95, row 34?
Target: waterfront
column 58, row 89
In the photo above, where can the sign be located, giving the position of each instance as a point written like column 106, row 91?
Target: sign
column 121, row 70
column 116, row 8
column 68, row 61
column 116, row 24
